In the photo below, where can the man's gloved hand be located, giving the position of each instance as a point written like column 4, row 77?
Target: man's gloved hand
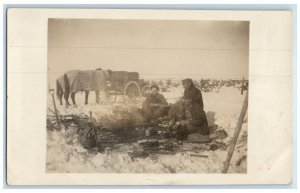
column 183, row 123
column 154, row 105
column 176, row 125
column 172, row 123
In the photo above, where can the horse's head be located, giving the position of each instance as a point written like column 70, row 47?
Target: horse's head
column 108, row 74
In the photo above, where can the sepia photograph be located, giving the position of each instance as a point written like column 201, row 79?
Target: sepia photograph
column 147, row 96
column 105, row 97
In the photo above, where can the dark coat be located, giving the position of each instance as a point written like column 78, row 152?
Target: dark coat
column 194, row 113
column 195, row 95
column 155, row 99
column 150, row 111
column 197, row 120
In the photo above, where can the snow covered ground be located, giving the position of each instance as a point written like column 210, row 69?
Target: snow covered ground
column 65, row 154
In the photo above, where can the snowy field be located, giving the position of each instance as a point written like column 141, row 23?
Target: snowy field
column 65, row 154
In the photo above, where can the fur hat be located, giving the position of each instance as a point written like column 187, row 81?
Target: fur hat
column 154, row 86
column 187, row 80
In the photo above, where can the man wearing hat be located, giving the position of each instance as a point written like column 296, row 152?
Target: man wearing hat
column 155, row 105
column 193, row 118
column 191, row 92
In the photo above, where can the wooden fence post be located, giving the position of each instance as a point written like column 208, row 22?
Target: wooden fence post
column 236, row 134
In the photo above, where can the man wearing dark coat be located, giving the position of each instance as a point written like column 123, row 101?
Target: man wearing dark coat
column 193, row 117
column 191, row 92
column 155, row 105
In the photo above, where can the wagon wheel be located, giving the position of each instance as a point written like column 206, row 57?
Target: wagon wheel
column 132, row 92
column 108, row 98
column 145, row 90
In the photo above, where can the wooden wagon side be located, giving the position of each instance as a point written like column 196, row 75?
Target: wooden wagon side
column 125, row 84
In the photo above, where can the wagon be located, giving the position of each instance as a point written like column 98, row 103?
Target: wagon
column 124, row 86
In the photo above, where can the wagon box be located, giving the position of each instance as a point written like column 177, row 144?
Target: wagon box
column 133, row 76
column 125, row 84
column 122, row 77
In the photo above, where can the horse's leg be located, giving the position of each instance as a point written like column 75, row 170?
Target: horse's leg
column 86, row 97
column 73, row 98
column 97, row 96
column 60, row 99
column 66, row 96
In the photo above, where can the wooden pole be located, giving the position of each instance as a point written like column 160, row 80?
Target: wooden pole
column 243, row 85
column 236, row 134
column 51, row 91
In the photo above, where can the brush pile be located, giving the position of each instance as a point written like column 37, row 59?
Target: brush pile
column 125, row 147
column 125, row 125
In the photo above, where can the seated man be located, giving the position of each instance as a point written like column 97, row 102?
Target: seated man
column 192, row 98
column 191, row 92
column 193, row 120
column 155, row 105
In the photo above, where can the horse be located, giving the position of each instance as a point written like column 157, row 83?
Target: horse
column 77, row 80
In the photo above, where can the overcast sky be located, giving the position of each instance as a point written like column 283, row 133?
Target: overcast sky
column 155, row 49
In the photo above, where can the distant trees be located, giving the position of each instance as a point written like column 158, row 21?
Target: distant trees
column 214, row 85
column 205, row 85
